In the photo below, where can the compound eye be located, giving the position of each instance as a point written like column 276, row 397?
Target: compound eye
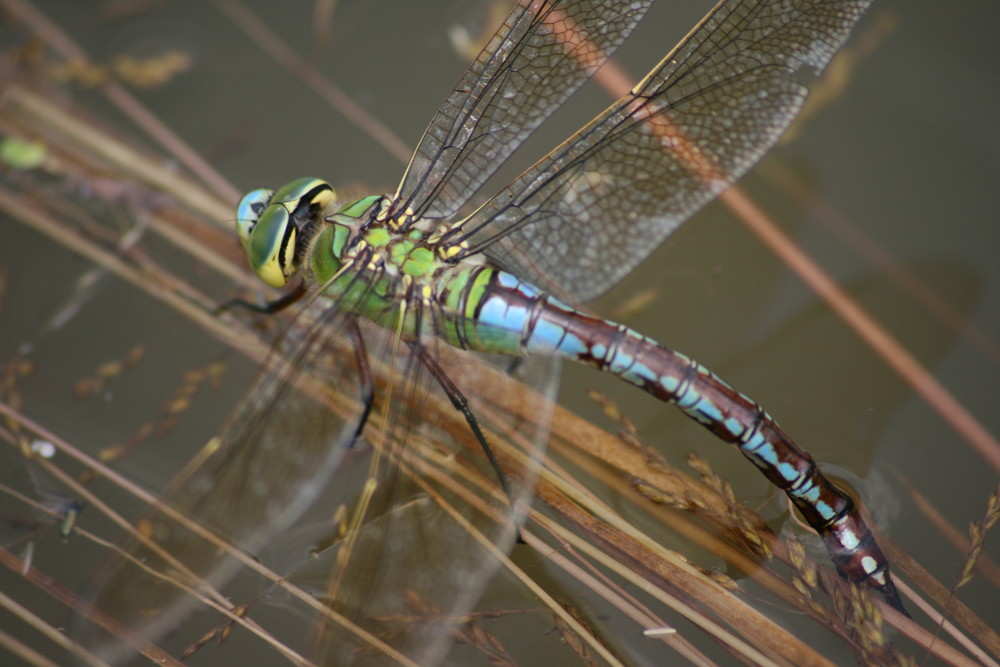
column 271, row 248
column 308, row 200
column 248, row 212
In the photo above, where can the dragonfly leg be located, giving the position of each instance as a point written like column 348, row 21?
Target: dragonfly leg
column 461, row 404
column 367, row 385
column 269, row 308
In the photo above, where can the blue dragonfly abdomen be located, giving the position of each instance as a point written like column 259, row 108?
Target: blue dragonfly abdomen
column 537, row 323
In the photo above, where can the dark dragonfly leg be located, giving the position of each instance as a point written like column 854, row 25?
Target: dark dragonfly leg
column 550, row 327
column 271, row 307
column 366, row 384
column 461, row 404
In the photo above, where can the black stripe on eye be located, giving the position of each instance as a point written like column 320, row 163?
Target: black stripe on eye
column 308, row 200
column 289, row 235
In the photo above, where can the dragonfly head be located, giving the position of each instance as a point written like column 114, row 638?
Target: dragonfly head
column 274, row 227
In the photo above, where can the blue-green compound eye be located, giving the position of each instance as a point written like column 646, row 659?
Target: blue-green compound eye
column 248, row 212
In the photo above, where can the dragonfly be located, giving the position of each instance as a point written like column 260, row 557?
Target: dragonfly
column 421, row 283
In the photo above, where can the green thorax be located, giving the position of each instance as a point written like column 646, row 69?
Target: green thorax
column 391, row 276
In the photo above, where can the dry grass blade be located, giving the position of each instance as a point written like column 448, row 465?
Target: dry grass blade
column 977, row 537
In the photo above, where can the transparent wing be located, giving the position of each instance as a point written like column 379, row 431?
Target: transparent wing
column 422, row 556
column 581, row 218
column 355, row 527
column 541, row 54
column 278, row 449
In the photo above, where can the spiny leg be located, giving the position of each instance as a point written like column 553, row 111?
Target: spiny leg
column 366, row 387
column 365, row 381
column 366, row 384
column 461, row 404
column 271, row 307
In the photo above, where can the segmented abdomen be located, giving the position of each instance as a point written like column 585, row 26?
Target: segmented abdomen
column 540, row 324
